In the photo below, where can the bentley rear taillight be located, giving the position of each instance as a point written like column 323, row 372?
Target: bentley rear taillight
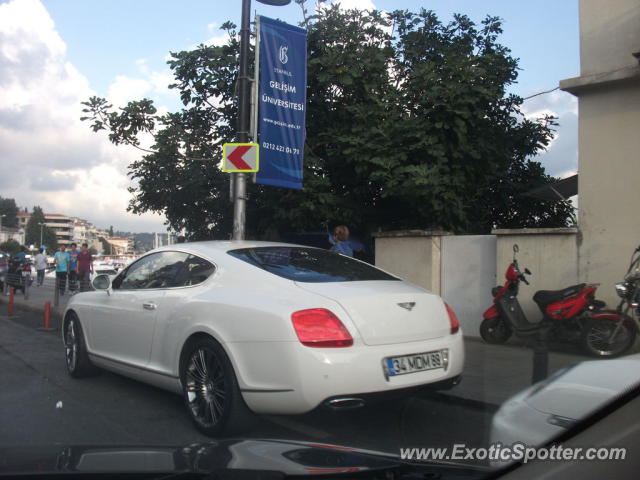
column 453, row 320
column 319, row 327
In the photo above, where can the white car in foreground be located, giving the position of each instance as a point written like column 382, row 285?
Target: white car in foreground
column 277, row 328
column 548, row 408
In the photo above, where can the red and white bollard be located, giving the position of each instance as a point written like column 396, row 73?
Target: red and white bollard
column 47, row 318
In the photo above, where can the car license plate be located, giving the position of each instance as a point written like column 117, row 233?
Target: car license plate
column 416, row 362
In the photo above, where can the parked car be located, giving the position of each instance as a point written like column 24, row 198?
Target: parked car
column 104, row 268
column 270, row 328
column 549, row 408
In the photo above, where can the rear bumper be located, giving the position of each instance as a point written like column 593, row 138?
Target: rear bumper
column 302, row 378
column 375, row 397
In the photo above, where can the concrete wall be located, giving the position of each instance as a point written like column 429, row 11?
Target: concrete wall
column 609, row 32
column 456, row 266
column 412, row 255
column 468, row 273
column 550, row 253
column 609, row 183
column 462, row 269
column 608, row 92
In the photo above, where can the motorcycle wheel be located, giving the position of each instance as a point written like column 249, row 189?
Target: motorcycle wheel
column 596, row 338
column 495, row 330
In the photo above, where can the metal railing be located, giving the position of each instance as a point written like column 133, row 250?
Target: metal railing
column 49, row 286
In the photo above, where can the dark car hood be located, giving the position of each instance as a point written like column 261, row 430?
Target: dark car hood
column 242, row 455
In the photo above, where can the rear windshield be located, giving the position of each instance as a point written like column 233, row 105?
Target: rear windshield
column 311, row 265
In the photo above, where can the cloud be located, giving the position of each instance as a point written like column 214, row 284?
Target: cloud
column 217, row 40
column 561, row 157
column 124, row 89
column 149, row 83
column 54, row 182
column 48, row 156
column 217, row 37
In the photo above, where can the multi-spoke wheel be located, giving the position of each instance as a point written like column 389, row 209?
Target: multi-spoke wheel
column 608, row 338
column 77, row 359
column 210, row 389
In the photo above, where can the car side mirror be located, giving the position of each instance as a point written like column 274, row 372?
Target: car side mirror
column 102, row 282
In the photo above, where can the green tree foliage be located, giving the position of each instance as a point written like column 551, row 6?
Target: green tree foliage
column 106, row 247
column 11, row 247
column 408, row 126
column 9, row 212
column 32, row 231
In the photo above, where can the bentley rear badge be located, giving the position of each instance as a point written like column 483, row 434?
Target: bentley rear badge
column 407, row 305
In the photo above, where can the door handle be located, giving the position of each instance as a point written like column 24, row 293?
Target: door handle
column 149, row 306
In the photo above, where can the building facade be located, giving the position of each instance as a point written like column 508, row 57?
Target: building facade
column 10, row 233
column 68, row 229
column 120, row 246
column 608, row 92
column 62, row 226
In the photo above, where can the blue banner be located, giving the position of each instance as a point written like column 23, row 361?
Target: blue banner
column 281, row 103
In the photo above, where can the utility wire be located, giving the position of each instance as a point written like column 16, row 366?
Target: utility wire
column 540, row 93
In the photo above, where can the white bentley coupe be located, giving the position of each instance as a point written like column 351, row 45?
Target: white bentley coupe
column 271, row 328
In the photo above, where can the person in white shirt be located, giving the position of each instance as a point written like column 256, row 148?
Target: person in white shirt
column 40, row 261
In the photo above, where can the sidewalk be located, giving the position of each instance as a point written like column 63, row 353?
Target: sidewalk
column 37, row 298
column 492, row 373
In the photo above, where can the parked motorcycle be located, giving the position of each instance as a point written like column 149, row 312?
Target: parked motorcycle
column 629, row 290
column 19, row 274
column 571, row 314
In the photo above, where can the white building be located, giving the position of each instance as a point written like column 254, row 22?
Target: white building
column 8, row 233
column 119, row 246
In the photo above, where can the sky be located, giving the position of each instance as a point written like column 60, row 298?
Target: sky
column 54, row 54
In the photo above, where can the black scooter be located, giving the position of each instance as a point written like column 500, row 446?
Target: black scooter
column 19, row 274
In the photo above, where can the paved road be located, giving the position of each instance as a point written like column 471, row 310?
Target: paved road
column 110, row 409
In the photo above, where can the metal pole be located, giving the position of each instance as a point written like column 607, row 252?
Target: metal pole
column 540, row 356
column 41, row 227
column 56, row 292
column 244, row 114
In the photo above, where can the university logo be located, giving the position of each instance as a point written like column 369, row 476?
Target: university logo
column 282, row 56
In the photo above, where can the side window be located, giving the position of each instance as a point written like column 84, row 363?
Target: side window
column 158, row 270
column 136, row 275
column 196, row 270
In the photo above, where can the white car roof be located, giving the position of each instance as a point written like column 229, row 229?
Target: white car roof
column 578, row 390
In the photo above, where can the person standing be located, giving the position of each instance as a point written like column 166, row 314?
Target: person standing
column 73, row 268
column 21, row 256
column 340, row 241
column 61, row 259
column 85, row 267
column 40, row 262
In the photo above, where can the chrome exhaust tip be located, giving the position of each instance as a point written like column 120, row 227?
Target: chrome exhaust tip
column 346, row 403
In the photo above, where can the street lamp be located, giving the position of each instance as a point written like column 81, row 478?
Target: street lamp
column 244, row 114
column 41, row 227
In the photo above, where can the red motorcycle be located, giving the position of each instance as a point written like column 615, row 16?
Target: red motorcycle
column 571, row 314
